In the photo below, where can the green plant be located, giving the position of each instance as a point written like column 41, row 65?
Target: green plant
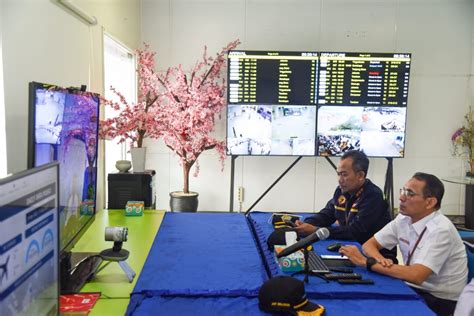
column 463, row 137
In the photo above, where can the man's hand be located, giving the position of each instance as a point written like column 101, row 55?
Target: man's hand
column 386, row 263
column 357, row 258
column 303, row 228
column 372, row 249
column 354, row 255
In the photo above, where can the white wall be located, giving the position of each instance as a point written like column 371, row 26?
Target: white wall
column 437, row 32
column 44, row 42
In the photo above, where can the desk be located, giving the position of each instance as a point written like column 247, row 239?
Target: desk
column 469, row 199
column 233, row 306
column 210, row 254
column 384, row 288
column 111, row 281
column 207, row 263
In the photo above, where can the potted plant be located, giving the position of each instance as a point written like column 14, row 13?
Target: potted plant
column 187, row 108
column 463, row 141
column 135, row 121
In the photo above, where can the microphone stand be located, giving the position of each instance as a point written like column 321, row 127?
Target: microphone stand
column 306, row 270
column 306, row 251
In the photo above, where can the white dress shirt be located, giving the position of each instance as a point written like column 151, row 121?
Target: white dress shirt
column 465, row 305
column 440, row 249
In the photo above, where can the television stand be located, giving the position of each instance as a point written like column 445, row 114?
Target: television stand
column 77, row 268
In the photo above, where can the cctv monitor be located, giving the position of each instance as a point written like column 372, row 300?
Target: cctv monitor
column 29, row 242
column 271, row 103
column 316, row 103
column 362, row 103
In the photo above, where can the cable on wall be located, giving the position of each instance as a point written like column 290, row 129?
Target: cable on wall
column 77, row 11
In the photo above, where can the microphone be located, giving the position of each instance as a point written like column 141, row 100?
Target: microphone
column 320, row 234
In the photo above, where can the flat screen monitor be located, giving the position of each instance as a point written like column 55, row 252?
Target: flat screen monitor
column 29, row 242
column 362, row 103
column 63, row 127
column 316, row 103
column 271, row 103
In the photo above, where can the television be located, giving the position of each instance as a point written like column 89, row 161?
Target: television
column 316, row 103
column 63, row 127
column 29, row 242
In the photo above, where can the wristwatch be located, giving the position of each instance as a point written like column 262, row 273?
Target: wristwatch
column 370, row 262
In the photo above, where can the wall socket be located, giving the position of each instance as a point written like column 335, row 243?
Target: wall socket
column 240, row 194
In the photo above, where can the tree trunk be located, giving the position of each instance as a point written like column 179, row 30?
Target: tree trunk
column 139, row 142
column 141, row 135
column 186, row 169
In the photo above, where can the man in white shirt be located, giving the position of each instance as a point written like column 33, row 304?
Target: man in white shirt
column 432, row 250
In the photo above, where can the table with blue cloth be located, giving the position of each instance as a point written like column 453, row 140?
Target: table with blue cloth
column 383, row 287
column 215, row 263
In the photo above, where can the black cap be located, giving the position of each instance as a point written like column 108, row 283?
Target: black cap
column 284, row 294
column 278, row 220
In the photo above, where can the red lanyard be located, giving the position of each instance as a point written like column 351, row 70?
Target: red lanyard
column 410, row 254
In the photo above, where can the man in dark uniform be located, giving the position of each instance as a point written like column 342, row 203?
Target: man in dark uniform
column 357, row 207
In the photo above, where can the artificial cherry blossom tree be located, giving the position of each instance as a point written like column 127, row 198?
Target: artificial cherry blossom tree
column 189, row 103
column 175, row 106
column 135, row 121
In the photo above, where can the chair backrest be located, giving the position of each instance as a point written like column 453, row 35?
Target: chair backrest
column 469, row 245
column 468, row 238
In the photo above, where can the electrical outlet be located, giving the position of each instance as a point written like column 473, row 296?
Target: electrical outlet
column 241, row 194
column 357, row 34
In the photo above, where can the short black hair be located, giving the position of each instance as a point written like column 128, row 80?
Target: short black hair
column 433, row 187
column 360, row 162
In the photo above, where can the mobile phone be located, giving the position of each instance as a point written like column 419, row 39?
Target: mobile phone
column 290, row 223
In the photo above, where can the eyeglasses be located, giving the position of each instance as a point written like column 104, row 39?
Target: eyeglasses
column 408, row 193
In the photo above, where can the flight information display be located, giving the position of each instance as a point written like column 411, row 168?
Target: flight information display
column 363, row 79
column 272, row 77
column 317, row 103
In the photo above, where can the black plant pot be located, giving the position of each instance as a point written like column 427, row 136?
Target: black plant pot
column 183, row 202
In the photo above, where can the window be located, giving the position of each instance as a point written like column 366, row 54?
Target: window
column 119, row 72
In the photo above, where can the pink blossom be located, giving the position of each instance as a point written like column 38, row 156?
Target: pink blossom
column 457, row 134
column 176, row 106
column 135, row 121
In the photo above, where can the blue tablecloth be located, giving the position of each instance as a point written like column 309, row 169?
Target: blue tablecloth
column 209, row 264
column 185, row 306
column 384, row 288
column 201, row 254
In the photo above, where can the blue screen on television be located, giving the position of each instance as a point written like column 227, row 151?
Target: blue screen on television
column 64, row 128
